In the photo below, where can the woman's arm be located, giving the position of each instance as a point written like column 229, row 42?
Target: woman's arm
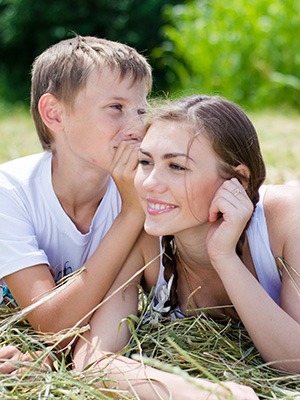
column 274, row 329
column 108, row 335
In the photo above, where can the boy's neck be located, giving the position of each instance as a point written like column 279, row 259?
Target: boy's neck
column 81, row 210
column 80, row 194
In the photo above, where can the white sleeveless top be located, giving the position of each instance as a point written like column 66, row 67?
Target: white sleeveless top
column 262, row 256
column 263, row 260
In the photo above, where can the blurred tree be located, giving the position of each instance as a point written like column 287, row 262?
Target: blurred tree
column 27, row 27
column 247, row 51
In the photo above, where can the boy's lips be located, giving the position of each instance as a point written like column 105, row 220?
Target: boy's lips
column 155, row 207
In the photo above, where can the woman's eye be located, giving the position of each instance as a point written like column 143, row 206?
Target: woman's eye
column 177, row 167
column 144, row 163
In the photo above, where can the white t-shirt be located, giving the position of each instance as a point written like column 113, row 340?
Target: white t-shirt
column 34, row 229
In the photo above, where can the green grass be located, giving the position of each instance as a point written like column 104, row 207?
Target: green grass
column 215, row 350
column 17, row 135
column 279, row 135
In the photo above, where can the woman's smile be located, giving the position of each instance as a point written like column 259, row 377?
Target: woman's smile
column 156, row 207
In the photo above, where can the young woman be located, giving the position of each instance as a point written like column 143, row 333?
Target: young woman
column 227, row 240
column 228, row 243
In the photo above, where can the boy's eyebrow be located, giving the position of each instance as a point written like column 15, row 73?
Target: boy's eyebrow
column 168, row 155
column 123, row 99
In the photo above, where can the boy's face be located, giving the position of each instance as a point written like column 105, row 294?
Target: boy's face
column 107, row 111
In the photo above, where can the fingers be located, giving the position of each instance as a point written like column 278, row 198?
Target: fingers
column 233, row 205
column 230, row 199
column 123, row 169
column 125, row 156
column 13, row 361
column 236, row 191
column 241, row 392
column 10, row 356
column 233, row 190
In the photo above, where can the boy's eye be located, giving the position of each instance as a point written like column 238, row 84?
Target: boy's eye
column 117, row 107
column 141, row 111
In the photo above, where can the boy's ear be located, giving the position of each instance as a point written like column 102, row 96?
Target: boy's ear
column 50, row 112
column 243, row 170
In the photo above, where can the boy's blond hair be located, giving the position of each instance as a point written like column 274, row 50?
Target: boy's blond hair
column 63, row 69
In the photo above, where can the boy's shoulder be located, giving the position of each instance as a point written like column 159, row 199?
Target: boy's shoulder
column 21, row 169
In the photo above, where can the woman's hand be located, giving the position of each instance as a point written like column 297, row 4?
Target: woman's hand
column 240, row 392
column 233, row 204
column 227, row 390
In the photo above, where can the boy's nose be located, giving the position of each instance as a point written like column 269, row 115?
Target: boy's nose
column 134, row 127
column 133, row 134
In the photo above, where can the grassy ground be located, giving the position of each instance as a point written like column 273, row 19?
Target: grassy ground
column 204, row 348
column 279, row 135
column 215, row 350
column 17, row 135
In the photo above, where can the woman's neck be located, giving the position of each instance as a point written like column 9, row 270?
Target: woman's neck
column 199, row 284
column 192, row 249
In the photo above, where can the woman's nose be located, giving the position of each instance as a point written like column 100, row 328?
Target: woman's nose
column 154, row 182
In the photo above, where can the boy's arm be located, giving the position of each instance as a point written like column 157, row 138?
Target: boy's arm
column 125, row 301
column 79, row 298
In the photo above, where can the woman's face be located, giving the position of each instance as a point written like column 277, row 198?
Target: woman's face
column 176, row 179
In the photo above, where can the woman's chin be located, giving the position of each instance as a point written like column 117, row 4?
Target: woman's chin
column 155, row 229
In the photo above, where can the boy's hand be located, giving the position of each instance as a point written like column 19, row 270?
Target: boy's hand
column 13, row 361
column 123, row 169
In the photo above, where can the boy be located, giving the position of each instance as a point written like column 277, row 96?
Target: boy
column 71, row 206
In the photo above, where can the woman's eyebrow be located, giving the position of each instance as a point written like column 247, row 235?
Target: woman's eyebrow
column 167, row 156
column 174, row 155
column 144, row 152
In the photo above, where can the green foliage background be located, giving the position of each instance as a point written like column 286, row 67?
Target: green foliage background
column 245, row 50
column 27, row 27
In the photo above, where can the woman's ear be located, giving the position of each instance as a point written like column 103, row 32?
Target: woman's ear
column 50, row 112
column 243, row 170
